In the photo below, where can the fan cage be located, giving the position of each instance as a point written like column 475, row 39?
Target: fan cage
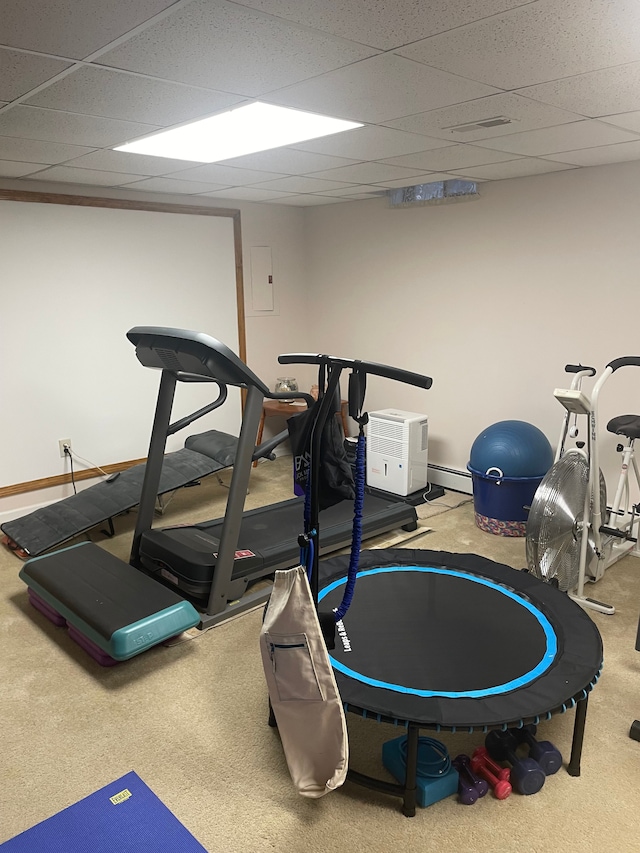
column 556, row 519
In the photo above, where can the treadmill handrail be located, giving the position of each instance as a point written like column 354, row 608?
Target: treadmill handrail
column 187, row 355
column 205, row 410
column 385, row 370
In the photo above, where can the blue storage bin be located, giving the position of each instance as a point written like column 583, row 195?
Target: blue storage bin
column 501, row 503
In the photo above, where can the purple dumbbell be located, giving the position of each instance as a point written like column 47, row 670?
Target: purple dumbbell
column 470, row 785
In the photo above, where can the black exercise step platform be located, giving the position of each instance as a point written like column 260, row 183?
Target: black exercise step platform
column 116, row 607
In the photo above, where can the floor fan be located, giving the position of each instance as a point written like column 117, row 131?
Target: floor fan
column 556, row 524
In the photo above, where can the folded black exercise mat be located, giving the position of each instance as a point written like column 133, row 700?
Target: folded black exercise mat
column 51, row 525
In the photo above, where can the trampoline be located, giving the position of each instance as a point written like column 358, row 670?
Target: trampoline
column 456, row 642
column 441, row 641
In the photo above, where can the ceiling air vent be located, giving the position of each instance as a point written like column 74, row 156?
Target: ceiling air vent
column 496, row 121
column 438, row 192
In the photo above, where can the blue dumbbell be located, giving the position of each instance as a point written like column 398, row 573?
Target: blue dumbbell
column 527, row 777
column 543, row 751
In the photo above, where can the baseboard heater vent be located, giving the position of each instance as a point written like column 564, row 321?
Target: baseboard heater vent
column 450, row 478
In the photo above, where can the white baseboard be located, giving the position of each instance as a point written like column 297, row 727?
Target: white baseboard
column 18, row 512
column 449, row 478
column 15, row 506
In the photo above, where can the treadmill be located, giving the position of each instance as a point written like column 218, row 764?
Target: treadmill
column 214, row 564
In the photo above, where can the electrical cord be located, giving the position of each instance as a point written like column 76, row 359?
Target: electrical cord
column 67, row 452
column 433, row 757
column 447, row 506
column 71, row 454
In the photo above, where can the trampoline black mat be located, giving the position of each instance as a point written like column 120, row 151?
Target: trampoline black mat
column 454, row 640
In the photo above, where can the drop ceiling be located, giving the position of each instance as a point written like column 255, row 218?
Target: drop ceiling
column 477, row 89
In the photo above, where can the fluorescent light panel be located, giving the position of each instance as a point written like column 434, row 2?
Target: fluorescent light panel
column 244, row 130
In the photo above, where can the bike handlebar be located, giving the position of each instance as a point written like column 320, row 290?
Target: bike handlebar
column 625, row 361
column 578, row 368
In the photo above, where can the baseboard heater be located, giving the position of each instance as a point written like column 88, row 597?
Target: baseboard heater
column 450, row 478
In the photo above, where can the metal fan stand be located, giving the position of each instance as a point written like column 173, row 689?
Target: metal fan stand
column 568, row 541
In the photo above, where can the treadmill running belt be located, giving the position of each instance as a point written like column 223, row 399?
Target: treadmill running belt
column 186, row 557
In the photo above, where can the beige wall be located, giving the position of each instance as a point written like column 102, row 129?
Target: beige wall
column 490, row 297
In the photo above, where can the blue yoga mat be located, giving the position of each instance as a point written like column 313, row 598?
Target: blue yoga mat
column 124, row 816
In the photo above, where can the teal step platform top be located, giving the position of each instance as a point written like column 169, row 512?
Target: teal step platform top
column 120, row 609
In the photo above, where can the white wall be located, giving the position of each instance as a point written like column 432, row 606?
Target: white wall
column 53, row 397
column 76, row 280
column 489, row 297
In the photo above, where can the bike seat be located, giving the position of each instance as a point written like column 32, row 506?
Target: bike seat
column 628, row 425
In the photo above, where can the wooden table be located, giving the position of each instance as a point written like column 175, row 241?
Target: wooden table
column 271, row 408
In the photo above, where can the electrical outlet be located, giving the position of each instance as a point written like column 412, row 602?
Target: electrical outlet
column 61, row 445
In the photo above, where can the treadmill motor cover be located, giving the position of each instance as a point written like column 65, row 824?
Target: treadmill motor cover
column 186, row 557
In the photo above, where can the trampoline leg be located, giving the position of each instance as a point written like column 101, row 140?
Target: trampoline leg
column 410, row 783
column 573, row 768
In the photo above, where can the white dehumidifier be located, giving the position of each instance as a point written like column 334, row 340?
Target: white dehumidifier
column 397, row 451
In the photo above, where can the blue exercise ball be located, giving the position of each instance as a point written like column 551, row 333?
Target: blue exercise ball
column 517, row 448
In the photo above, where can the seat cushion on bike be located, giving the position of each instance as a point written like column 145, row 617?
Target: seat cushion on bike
column 628, row 425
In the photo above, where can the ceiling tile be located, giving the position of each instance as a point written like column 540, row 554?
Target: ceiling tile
column 21, row 72
column 427, row 178
column 620, row 153
column 301, row 184
column 309, row 200
column 371, row 143
column 35, row 151
column 103, row 92
column 362, row 196
column 54, row 126
column 380, row 89
column 368, row 173
column 520, row 168
column 109, row 160
column 247, row 194
column 537, row 42
column 96, row 73
column 227, row 47
column 383, row 24
column 85, row 176
column 171, row 185
column 564, row 137
column 16, row 169
column 449, row 159
column 628, row 121
column 226, row 175
column 74, row 28
column 525, row 114
column 357, row 190
column 599, row 93
column 288, row 161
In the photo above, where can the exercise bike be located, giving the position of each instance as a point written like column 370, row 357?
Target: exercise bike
column 573, row 536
